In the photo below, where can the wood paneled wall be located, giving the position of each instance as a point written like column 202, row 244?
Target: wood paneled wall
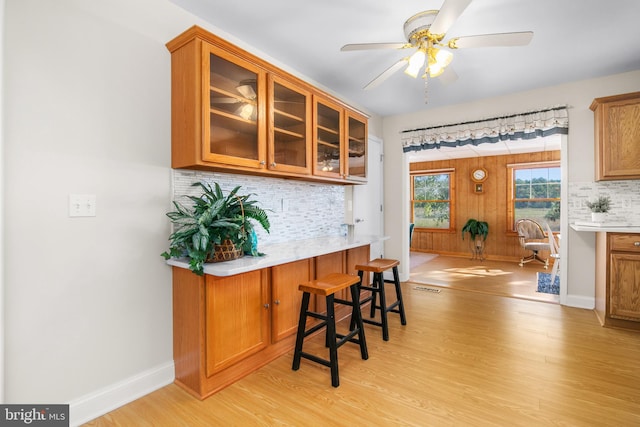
column 490, row 206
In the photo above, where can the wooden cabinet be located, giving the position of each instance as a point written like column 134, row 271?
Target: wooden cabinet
column 237, row 324
column 340, row 142
column 356, row 146
column 328, row 144
column 227, row 327
column 289, row 142
column 617, row 136
column 232, row 111
column 286, row 298
column 618, row 280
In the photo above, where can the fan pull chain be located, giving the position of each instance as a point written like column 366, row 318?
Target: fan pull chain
column 426, row 90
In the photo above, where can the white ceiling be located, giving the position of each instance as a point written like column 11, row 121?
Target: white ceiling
column 573, row 40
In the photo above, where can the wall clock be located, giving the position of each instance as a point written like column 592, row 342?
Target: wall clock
column 479, row 175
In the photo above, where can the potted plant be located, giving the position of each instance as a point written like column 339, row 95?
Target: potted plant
column 216, row 228
column 478, row 231
column 599, row 208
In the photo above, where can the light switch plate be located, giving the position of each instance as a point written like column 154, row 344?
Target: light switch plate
column 82, row 205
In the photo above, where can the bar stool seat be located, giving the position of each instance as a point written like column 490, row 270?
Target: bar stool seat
column 378, row 267
column 326, row 287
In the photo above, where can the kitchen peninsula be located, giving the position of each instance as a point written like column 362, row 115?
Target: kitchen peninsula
column 242, row 314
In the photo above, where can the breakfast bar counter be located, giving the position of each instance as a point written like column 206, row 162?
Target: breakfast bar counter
column 281, row 253
column 242, row 314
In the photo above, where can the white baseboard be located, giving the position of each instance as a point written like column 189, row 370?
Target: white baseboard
column 98, row 403
column 588, row 303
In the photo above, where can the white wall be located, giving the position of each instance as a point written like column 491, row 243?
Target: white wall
column 2, row 317
column 580, row 159
column 87, row 111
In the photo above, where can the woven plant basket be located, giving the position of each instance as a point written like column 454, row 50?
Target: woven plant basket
column 227, row 251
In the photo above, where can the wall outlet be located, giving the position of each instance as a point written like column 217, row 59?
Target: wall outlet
column 82, row 205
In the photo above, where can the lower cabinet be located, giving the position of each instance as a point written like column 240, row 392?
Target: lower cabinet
column 286, row 298
column 618, row 280
column 237, row 323
column 227, row 327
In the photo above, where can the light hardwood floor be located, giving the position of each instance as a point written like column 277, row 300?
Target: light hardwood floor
column 463, row 359
column 491, row 277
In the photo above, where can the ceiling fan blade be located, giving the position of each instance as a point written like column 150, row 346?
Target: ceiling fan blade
column 448, row 76
column 492, row 40
column 370, row 46
column 386, row 74
column 448, row 14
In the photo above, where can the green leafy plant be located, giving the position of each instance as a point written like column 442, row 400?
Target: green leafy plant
column 601, row 204
column 213, row 219
column 476, row 228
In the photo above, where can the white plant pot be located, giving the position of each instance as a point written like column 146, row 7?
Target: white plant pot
column 598, row 216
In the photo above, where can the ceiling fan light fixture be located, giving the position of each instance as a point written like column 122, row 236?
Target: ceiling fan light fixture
column 437, row 61
column 416, row 62
column 443, row 58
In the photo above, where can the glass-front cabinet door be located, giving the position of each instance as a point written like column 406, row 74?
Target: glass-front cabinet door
column 236, row 94
column 356, row 156
column 328, row 138
column 289, row 148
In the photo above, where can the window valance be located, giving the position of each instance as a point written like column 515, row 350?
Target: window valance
column 517, row 126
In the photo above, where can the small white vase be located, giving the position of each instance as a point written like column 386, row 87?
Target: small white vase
column 598, row 216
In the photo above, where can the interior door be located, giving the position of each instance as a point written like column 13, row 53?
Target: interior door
column 367, row 199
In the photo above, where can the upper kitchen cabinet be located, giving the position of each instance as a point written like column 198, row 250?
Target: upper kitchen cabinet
column 340, row 141
column 218, row 105
column 356, row 146
column 328, row 139
column 289, row 127
column 232, row 111
column 617, row 136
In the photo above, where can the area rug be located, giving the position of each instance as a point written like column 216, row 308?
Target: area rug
column 545, row 285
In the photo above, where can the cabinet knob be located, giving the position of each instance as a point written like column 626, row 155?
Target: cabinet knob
column 273, row 165
column 262, row 162
column 266, row 306
column 277, row 302
column 636, row 243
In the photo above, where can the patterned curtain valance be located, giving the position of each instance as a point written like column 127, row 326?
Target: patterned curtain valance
column 517, row 126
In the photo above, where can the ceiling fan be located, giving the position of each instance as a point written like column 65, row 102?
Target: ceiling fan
column 425, row 32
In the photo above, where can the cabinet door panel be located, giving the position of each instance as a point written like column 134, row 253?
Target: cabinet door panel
column 286, row 297
column 235, row 90
column 617, row 136
column 327, row 264
column 237, row 320
column 356, row 156
column 625, row 286
column 289, row 127
column 328, row 139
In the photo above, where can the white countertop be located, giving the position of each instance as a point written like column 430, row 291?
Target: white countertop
column 606, row 227
column 282, row 253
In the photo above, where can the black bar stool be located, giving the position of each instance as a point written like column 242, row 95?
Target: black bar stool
column 327, row 287
column 377, row 267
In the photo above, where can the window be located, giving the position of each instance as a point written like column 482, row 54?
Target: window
column 432, row 199
column 535, row 193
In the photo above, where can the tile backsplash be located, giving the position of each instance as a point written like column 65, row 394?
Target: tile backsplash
column 297, row 209
column 625, row 200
